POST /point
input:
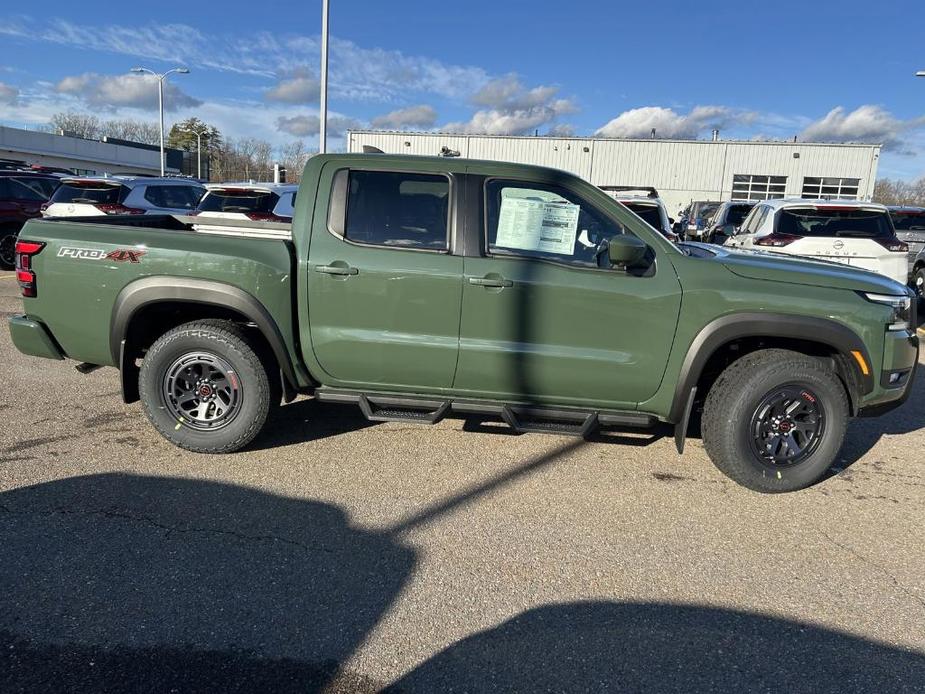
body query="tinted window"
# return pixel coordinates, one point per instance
(909, 221)
(179, 197)
(736, 213)
(649, 213)
(89, 193)
(238, 200)
(846, 223)
(547, 222)
(404, 210)
(34, 188)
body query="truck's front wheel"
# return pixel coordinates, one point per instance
(775, 420)
(204, 387)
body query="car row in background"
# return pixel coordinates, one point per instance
(95, 196)
(692, 224)
(22, 194)
(646, 203)
(909, 223)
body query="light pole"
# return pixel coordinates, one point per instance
(160, 97)
(323, 119)
(198, 134)
(920, 73)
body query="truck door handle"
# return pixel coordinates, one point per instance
(491, 281)
(336, 269)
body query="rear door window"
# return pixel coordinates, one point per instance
(33, 188)
(402, 210)
(239, 200)
(175, 197)
(835, 222)
(89, 192)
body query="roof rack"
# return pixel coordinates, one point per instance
(650, 190)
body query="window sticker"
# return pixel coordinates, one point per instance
(536, 225)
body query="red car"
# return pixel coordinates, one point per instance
(22, 194)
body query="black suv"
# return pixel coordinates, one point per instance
(22, 194)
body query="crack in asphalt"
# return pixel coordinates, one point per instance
(168, 529)
(864, 560)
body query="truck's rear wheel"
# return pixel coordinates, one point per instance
(775, 420)
(205, 388)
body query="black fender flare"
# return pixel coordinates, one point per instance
(161, 289)
(734, 326)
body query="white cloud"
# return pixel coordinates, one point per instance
(8, 93)
(373, 74)
(130, 90)
(512, 109)
(299, 88)
(414, 117)
(639, 122)
(868, 123)
(308, 125)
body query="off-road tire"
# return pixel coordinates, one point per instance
(734, 400)
(229, 342)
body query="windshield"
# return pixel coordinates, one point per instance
(909, 221)
(843, 222)
(649, 213)
(89, 192)
(227, 200)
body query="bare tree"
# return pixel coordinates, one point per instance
(895, 192)
(75, 124)
(293, 156)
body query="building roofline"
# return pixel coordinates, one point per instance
(573, 138)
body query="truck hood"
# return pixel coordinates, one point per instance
(778, 267)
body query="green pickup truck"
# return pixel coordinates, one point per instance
(418, 288)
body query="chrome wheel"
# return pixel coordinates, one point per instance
(202, 391)
(787, 426)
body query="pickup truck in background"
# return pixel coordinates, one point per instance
(417, 288)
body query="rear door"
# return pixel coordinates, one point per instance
(384, 289)
(543, 321)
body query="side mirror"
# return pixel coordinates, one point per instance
(625, 250)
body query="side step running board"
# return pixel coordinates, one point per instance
(378, 407)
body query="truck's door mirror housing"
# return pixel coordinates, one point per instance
(625, 250)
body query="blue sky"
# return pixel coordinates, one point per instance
(829, 71)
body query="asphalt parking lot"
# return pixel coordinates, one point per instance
(336, 554)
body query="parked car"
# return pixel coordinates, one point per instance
(909, 223)
(22, 194)
(265, 202)
(396, 295)
(849, 232)
(692, 222)
(917, 280)
(725, 220)
(121, 195)
(649, 206)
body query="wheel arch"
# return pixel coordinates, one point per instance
(183, 296)
(803, 333)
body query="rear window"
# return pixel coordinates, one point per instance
(737, 214)
(649, 213)
(845, 222)
(89, 192)
(34, 188)
(228, 200)
(908, 221)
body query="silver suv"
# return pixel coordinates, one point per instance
(93, 196)
(909, 223)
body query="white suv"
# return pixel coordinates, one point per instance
(260, 202)
(649, 207)
(850, 232)
(94, 196)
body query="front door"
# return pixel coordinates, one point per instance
(383, 289)
(544, 320)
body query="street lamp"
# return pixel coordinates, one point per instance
(920, 73)
(198, 134)
(323, 116)
(160, 97)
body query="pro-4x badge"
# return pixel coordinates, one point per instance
(119, 255)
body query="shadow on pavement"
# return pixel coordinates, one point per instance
(308, 420)
(653, 647)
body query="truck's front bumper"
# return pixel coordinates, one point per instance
(32, 338)
(896, 379)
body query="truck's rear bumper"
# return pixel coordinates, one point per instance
(32, 338)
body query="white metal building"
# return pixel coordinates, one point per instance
(681, 170)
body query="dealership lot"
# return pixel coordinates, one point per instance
(434, 557)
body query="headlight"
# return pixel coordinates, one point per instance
(901, 318)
